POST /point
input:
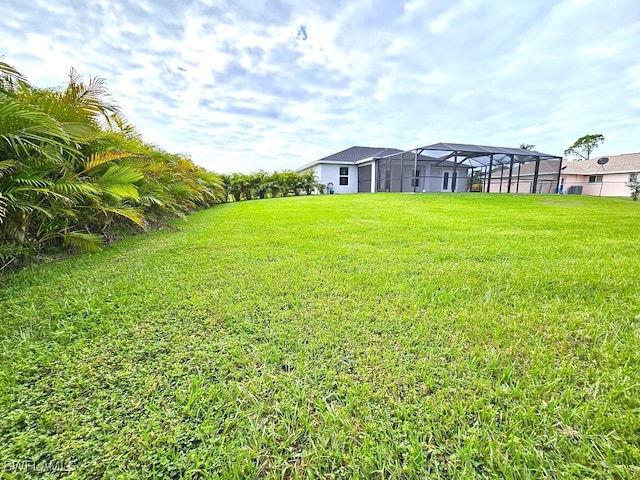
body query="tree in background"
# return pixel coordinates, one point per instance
(584, 146)
(634, 187)
(527, 146)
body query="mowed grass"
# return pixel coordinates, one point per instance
(363, 336)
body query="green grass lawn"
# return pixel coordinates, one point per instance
(363, 336)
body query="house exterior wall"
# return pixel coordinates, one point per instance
(330, 173)
(612, 185)
(392, 177)
(424, 171)
(546, 184)
(374, 178)
(525, 185)
(437, 177)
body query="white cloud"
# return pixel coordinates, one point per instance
(229, 82)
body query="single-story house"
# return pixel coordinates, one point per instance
(370, 169)
(606, 176)
(441, 167)
(342, 169)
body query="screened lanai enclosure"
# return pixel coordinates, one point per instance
(454, 167)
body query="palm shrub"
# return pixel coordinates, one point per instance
(290, 182)
(309, 183)
(240, 186)
(73, 171)
(247, 185)
(260, 183)
(275, 184)
(235, 186)
(37, 150)
(225, 182)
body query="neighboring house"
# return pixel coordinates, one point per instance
(600, 177)
(441, 167)
(369, 169)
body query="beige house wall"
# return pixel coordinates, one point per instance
(613, 184)
(546, 184)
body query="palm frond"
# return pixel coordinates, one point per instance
(44, 192)
(119, 124)
(118, 182)
(97, 159)
(121, 191)
(26, 130)
(118, 174)
(71, 186)
(92, 98)
(151, 199)
(19, 203)
(7, 166)
(10, 78)
(32, 179)
(3, 207)
(80, 132)
(9, 251)
(181, 190)
(88, 242)
(127, 212)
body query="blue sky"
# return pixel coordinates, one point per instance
(231, 83)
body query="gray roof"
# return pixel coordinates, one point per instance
(627, 162)
(471, 151)
(354, 154)
(443, 153)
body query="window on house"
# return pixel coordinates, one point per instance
(445, 181)
(595, 179)
(415, 182)
(633, 177)
(344, 175)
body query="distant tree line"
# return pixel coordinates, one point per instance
(258, 185)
